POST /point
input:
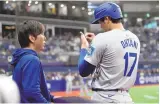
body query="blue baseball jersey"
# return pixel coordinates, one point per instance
(115, 54)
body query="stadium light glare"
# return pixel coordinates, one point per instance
(13, 0)
(73, 7)
(30, 1)
(29, 4)
(49, 4)
(125, 15)
(90, 13)
(89, 10)
(147, 15)
(36, 2)
(83, 8)
(7, 2)
(62, 5)
(139, 19)
(125, 19)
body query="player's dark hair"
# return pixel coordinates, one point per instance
(119, 20)
(27, 28)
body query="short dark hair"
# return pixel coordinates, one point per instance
(29, 27)
(119, 20)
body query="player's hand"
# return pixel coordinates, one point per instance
(84, 42)
(89, 37)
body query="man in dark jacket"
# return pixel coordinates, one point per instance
(27, 68)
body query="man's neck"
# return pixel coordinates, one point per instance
(30, 47)
(118, 26)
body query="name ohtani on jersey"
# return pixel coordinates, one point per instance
(129, 43)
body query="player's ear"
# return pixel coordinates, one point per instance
(106, 20)
(32, 38)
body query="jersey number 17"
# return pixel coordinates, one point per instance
(126, 58)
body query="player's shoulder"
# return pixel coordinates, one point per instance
(134, 35)
(102, 35)
(109, 33)
(107, 36)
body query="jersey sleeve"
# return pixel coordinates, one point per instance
(95, 51)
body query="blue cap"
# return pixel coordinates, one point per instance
(107, 9)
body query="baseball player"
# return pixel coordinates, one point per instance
(111, 57)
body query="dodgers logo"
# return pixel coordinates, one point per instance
(90, 51)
